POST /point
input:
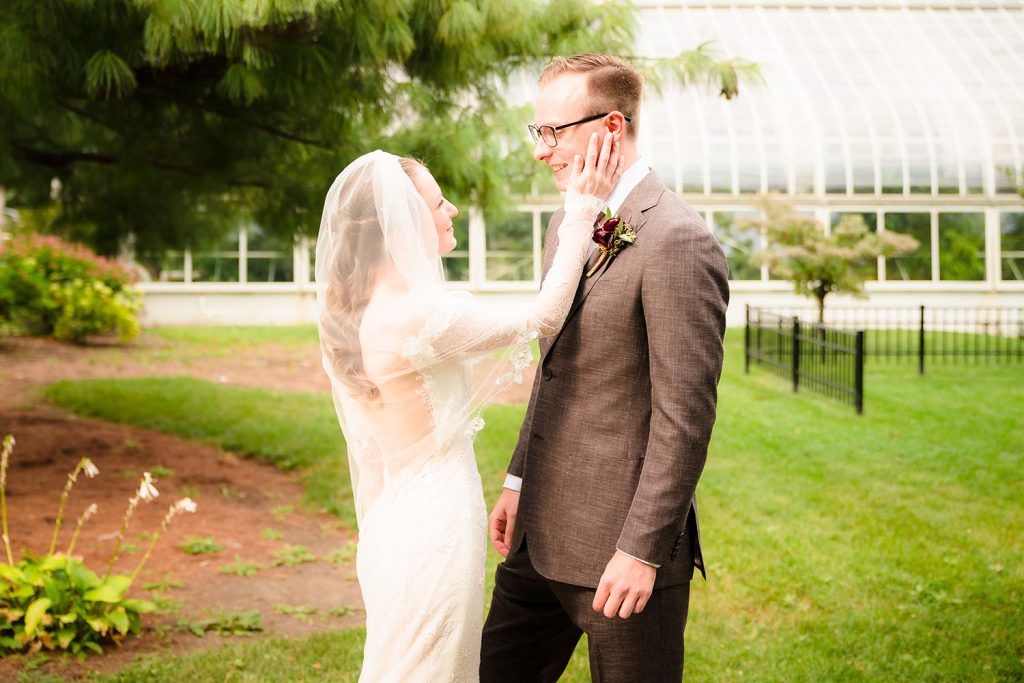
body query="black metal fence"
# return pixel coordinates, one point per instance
(943, 334)
(818, 357)
(829, 357)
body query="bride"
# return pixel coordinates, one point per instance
(404, 355)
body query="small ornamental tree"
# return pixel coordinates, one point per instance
(819, 263)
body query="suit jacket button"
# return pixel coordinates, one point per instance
(548, 374)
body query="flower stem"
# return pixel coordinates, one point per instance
(8, 448)
(120, 534)
(82, 519)
(72, 478)
(152, 544)
(597, 265)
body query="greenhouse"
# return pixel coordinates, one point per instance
(909, 113)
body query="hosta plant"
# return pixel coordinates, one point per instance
(54, 601)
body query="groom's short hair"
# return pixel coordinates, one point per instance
(612, 83)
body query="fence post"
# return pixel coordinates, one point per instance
(920, 344)
(746, 343)
(858, 374)
(796, 353)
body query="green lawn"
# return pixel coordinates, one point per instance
(231, 336)
(840, 548)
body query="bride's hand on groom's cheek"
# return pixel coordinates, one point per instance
(625, 587)
(598, 173)
(503, 520)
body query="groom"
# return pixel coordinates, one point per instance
(598, 521)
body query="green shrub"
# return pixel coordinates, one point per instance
(55, 601)
(49, 287)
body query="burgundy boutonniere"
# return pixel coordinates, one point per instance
(611, 235)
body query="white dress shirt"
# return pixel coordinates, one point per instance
(628, 181)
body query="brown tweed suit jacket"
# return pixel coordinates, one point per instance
(623, 403)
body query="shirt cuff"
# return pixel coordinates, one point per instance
(649, 564)
(513, 482)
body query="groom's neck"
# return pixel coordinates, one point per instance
(629, 151)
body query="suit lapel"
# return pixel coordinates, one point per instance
(642, 199)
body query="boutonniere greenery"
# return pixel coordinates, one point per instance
(611, 235)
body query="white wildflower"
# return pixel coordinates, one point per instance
(89, 468)
(185, 505)
(147, 491)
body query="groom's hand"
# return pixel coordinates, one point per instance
(625, 587)
(503, 521)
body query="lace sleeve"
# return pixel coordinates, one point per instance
(460, 324)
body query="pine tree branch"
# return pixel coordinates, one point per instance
(61, 160)
(231, 116)
(88, 116)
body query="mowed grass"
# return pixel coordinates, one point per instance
(839, 548)
(237, 336)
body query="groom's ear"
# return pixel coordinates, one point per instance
(616, 123)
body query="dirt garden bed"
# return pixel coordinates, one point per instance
(237, 499)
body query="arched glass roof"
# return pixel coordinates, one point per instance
(889, 97)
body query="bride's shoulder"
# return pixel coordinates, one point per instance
(405, 312)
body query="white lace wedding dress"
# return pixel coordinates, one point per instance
(420, 507)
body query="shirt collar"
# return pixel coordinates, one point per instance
(628, 181)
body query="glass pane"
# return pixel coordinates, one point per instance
(217, 265)
(739, 243)
(269, 257)
(167, 267)
(920, 168)
(456, 262)
(749, 167)
(835, 168)
(693, 170)
(721, 166)
(918, 265)
(962, 246)
(892, 171)
(509, 256)
(1012, 246)
(868, 270)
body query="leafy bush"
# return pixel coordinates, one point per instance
(54, 288)
(55, 601)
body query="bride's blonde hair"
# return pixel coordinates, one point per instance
(350, 287)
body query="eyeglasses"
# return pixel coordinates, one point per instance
(547, 133)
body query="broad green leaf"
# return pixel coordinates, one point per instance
(24, 591)
(11, 573)
(139, 605)
(99, 624)
(111, 591)
(119, 619)
(68, 618)
(82, 575)
(34, 614)
(54, 589)
(52, 562)
(64, 637)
